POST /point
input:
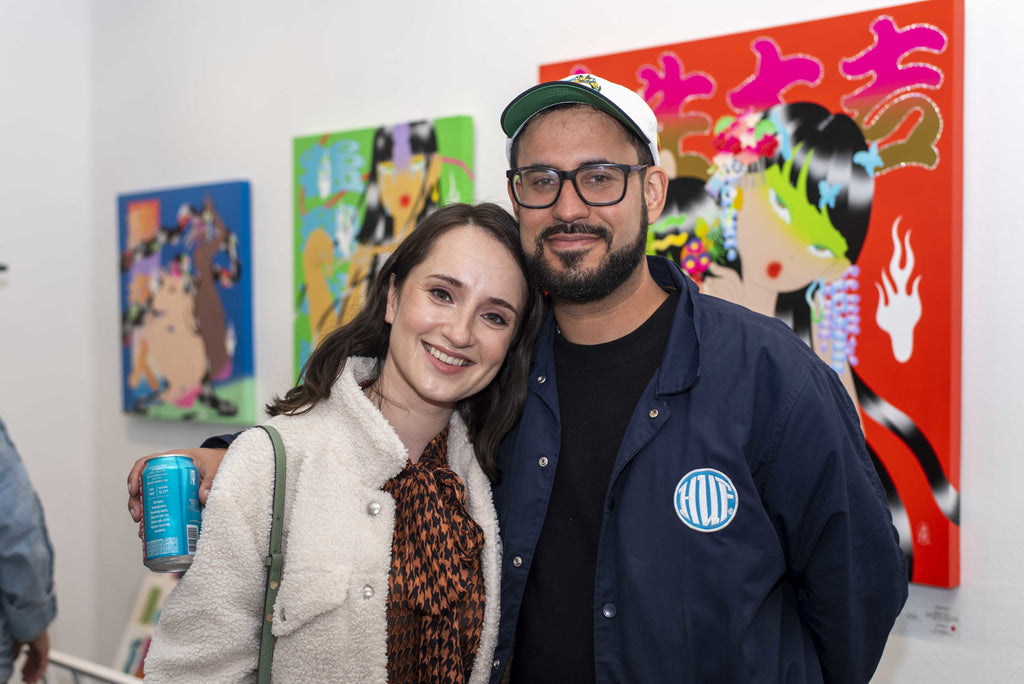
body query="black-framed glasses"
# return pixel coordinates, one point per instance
(599, 185)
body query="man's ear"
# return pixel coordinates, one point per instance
(389, 311)
(655, 191)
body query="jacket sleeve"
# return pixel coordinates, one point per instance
(209, 629)
(843, 553)
(219, 441)
(27, 600)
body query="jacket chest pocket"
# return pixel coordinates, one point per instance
(306, 594)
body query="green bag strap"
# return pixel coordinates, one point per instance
(275, 560)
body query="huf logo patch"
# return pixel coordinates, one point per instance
(705, 500)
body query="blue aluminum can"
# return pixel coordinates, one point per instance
(170, 500)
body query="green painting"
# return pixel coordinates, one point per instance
(357, 194)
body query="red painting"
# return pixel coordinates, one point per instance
(817, 177)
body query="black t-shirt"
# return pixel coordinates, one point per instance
(598, 389)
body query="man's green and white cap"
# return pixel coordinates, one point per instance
(612, 98)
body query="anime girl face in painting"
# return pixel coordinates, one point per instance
(792, 197)
(406, 170)
(779, 225)
(787, 242)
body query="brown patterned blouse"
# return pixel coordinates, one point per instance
(436, 587)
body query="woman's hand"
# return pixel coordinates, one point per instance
(206, 461)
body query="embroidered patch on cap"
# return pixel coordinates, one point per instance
(587, 79)
(706, 500)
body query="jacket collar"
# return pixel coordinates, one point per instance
(381, 454)
(372, 429)
(680, 364)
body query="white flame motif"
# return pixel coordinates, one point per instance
(899, 308)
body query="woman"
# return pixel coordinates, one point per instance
(391, 565)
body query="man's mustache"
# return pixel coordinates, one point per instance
(575, 229)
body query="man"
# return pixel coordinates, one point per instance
(27, 601)
(687, 497)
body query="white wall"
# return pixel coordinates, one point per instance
(47, 313)
(109, 96)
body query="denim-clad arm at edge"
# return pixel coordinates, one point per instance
(27, 600)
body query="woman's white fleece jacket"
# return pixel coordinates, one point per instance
(330, 615)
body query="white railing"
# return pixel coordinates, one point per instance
(68, 668)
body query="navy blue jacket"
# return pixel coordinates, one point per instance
(745, 536)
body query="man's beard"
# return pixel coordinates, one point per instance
(585, 286)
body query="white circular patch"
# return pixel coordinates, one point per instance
(706, 500)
